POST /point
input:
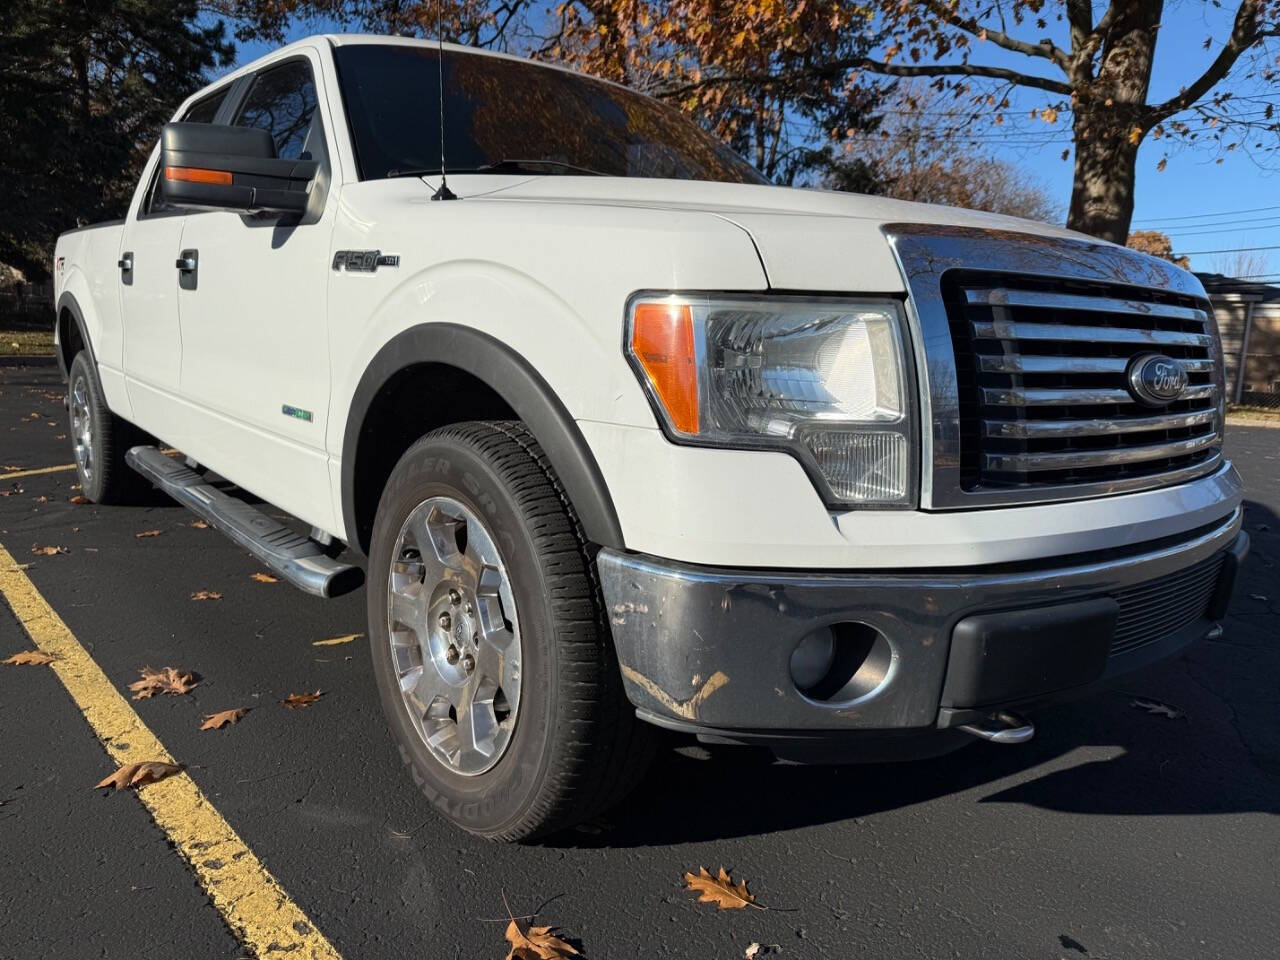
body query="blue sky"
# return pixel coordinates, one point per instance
(1188, 199)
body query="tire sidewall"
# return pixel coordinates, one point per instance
(82, 368)
(492, 802)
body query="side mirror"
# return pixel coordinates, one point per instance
(235, 168)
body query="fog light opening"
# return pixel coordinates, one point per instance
(840, 663)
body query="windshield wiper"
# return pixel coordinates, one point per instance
(498, 166)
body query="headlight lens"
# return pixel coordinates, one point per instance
(826, 379)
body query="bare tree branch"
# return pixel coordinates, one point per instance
(1045, 49)
(838, 68)
(1244, 34)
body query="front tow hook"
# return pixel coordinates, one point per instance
(1002, 727)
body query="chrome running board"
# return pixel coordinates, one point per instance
(298, 559)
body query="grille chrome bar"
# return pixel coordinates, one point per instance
(1011, 330)
(1053, 397)
(1035, 429)
(1031, 462)
(1014, 363)
(1000, 297)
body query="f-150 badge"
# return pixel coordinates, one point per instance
(364, 261)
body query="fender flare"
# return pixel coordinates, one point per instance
(520, 386)
(69, 303)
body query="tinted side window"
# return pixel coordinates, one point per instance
(203, 111)
(282, 101)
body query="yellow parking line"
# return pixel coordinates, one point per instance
(244, 892)
(35, 473)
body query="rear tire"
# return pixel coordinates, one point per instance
(100, 439)
(565, 742)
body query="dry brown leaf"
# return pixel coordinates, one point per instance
(335, 641)
(216, 721)
(79, 501)
(31, 658)
(147, 533)
(199, 524)
(170, 680)
(139, 774)
(536, 943)
(295, 700)
(720, 890)
(265, 578)
(206, 595)
(1157, 708)
(49, 551)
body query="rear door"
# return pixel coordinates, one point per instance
(150, 245)
(255, 358)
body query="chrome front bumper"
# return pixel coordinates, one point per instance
(708, 650)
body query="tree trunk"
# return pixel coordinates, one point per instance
(1102, 191)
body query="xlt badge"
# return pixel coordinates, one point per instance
(364, 261)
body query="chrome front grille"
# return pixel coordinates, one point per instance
(1042, 384)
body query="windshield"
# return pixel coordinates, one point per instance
(510, 116)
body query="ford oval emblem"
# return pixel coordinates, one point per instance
(1156, 380)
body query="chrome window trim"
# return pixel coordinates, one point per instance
(925, 253)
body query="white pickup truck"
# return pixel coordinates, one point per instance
(623, 437)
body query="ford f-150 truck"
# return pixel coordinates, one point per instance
(619, 436)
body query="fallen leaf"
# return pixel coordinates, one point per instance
(265, 578)
(1156, 707)
(49, 551)
(147, 533)
(335, 641)
(13, 491)
(199, 524)
(138, 774)
(31, 658)
(536, 943)
(206, 595)
(720, 890)
(1257, 596)
(760, 950)
(42, 499)
(170, 680)
(216, 721)
(79, 501)
(295, 700)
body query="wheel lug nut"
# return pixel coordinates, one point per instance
(468, 663)
(445, 621)
(451, 654)
(469, 609)
(454, 597)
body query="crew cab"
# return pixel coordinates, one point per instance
(617, 436)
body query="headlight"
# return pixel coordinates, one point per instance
(824, 379)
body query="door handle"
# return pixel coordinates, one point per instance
(125, 263)
(187, 262)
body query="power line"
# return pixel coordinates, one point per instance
(1201, 216)
(1213, 223)
(1232, 229)
(1203, 253)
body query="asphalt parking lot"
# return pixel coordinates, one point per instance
(1117, 833)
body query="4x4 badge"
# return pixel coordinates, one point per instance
(364, 261)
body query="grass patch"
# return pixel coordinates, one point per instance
(26, 335)
(1261, 416)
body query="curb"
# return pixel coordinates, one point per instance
(38, 360)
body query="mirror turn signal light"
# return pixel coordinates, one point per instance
(662, 342)
(220, 178)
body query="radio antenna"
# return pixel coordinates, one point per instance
(444, 193)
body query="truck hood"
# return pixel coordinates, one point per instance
(813, 240)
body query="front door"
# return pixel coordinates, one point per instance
(255, 357)
(149, 280)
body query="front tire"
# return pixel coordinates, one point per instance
(492, 655)
(99, 439)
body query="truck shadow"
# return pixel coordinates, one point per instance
(1108, 755)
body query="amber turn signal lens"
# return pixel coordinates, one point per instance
(221, 178)
(662, 340)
